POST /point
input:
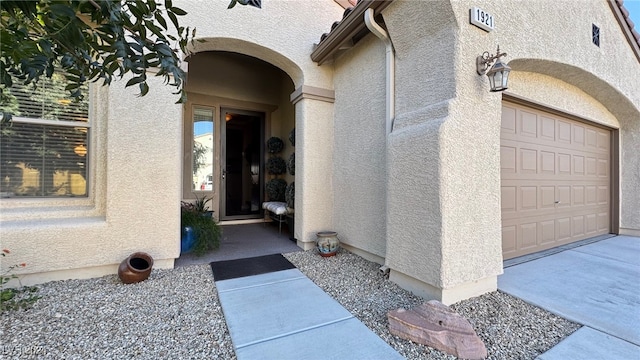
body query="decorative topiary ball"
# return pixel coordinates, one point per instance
(290, 195)
(291, 164)
(276, 189)
(292, 137)
(275, 145)
(276, 165)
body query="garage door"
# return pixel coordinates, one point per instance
(555, 180)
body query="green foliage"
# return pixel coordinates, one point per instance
(291, 164)
(290, 195)
(199, 156)
(207, 232)
(13, 299)
(292, 137)
(256, 3)
(200, 205)
(91, 40)
(276, 165)
(276, 189)
(275, 145)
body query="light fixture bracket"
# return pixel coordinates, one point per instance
(484, 61)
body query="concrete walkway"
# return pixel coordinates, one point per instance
(284, 315)
(596, 285)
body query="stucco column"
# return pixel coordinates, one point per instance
(443, 224)
(314, 163)
(443, 193)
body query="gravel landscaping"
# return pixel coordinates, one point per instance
(509, 327)
(176, 314)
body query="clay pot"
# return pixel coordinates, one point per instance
(135, 268)
(327, 243)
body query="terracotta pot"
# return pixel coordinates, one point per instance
(327, 243)
(135, 268)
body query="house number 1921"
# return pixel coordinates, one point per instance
(481, 19)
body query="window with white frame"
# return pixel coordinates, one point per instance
(203, 149)
(44, 150)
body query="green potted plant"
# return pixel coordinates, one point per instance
(291, 164)
(197, 222)
(276, 165)
(276, 189)
(201, 207)
(275, 145)
(290, 197)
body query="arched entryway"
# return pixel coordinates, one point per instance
(235, 103)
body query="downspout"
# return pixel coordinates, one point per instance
(381, 33)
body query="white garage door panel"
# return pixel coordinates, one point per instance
(555, 185)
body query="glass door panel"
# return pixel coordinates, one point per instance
(242, 164)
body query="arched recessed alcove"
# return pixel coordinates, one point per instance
(243, 100)
(251, 49)
(617, 103)
(625, 143)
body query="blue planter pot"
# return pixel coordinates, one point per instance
(188, 239)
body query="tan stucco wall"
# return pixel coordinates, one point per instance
(558, 94)
(443, 229)
(134, 198)
(560, 46)
(314, 163)
(359, 163)
(442, 212)
(444, 202)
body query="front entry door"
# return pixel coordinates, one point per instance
(242, 180)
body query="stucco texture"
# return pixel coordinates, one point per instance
(601, 83)
(359, 163)
(314, 164)
(134, 194)
(444, 183)
(443, 219)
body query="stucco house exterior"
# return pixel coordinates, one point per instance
(400, 146)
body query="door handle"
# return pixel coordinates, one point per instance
(224, 174)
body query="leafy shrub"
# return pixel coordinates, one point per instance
(13, 299)
(290, 195)
(201, 204)
(276, 165)
(292, 137)
(276, 189)
(205, 229)
(275, 145)
(291, 164)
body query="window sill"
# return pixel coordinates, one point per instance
(18, 209)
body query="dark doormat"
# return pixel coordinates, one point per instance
(231, 269)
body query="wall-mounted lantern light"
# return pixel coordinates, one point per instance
(498, 74)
